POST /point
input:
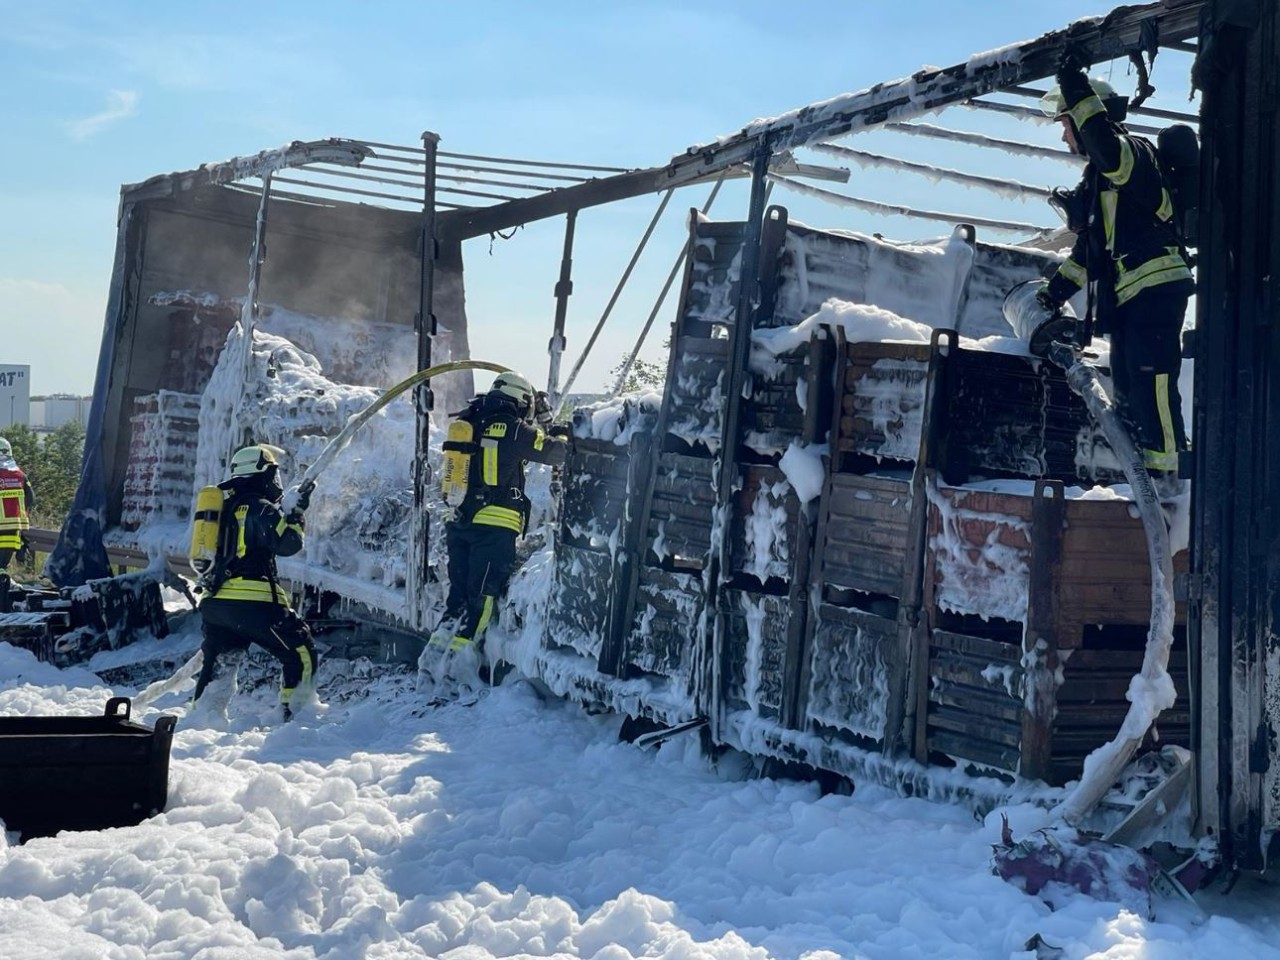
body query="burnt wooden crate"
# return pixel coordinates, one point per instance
(755, 651)
(594, 492)
(678, 528)
(694, 400)
(764, 525)
(771, 415)
(1091, 702)
(36, 631)
(975, 704)
(665, 622)
(1011, 416)
(578, 615)
(82, 773)
(863, 533)
(855, 661)
(1015, 584)
(710, 296)
(881, 388)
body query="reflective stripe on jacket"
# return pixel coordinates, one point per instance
(1130, 213)
(261, 533)
(14, 491)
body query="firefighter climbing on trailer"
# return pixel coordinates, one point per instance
(482, 481)
(1129, 254)
(239, 531)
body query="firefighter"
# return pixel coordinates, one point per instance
(1128, 252)
(16, 503)
(246, 602)
(511, 426)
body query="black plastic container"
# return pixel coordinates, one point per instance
(82, 773)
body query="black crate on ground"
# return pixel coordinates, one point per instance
(82, 773)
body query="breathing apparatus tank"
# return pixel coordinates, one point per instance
(459, 446)
(206, 522)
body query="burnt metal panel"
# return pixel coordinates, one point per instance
(1235, 582)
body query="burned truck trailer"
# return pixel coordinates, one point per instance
(896, 561)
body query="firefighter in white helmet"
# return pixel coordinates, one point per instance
(511, 425)
(247, 604)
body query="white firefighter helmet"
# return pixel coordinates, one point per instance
(255, 459)
(6, 449)
(1054, 104)
(511, 384)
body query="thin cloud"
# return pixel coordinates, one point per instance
(120, 104)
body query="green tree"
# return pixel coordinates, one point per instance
(643, 374)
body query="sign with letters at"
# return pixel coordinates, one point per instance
(15, 394)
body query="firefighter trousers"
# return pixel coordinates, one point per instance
(481, 561)
(1146, 358)
(234, 624)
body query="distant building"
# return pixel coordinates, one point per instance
(15, 394)
(54, 411)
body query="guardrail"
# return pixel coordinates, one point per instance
(118, 556)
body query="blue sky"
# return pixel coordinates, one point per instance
(96, 95)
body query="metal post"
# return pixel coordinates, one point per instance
(250, 311)
(419, 567)
(564, 289)
(626, 274)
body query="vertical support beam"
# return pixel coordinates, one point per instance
(1234, 595)
(1040, 638)
(908, 715)
(641, 457)
(419, 567)
(564, 289)
(708, 673)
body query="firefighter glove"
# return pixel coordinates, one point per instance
(304, 495)
(1048, 301)
(1072, 81)
(542, 409)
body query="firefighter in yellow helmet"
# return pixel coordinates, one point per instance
(511, 427)
(16, 501)
(247, 604)
(1129, 254)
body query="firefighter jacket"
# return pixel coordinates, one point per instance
(506, 442)
(1126, 241)
(257, 533)
(16, 502)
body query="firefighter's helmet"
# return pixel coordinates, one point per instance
(1054, 104)
(511, 384)
(256, 459)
